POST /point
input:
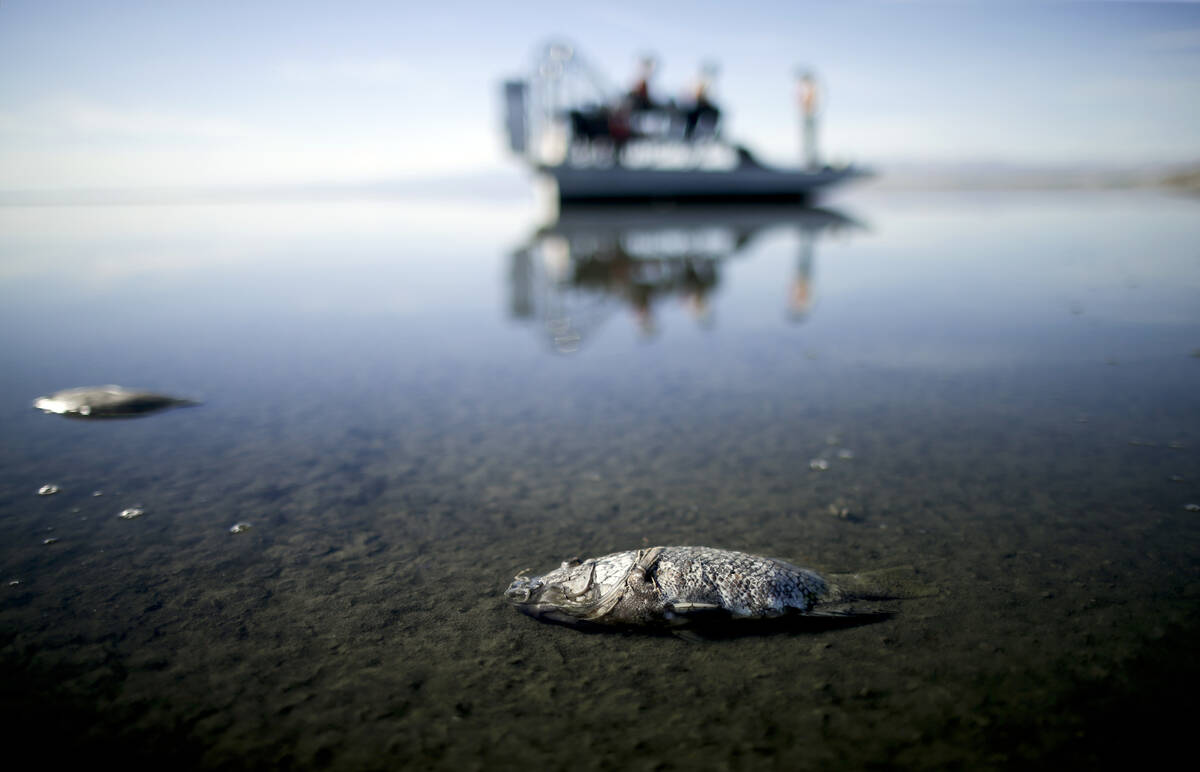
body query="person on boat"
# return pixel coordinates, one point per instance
(620, 130)
(808, 95)
(703, 113)
(639, 95)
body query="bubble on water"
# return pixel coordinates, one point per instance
(131, 513)
(818, 465)
(49, 540)
(1192, 507)
(845, 454)
(97, 493)
(47, 490)
(240, 527)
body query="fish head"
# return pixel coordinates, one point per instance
(52, 405)
(69, 407)
(80, 402)
(564, 595)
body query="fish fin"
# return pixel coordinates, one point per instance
(684, 607)
(700, 629)
(845, 610)
(691, 636)
(838, 618)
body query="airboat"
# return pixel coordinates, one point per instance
(596, 144)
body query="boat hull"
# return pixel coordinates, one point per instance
(580, 184)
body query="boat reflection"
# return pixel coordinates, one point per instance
(582, 268)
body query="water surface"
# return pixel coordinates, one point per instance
(410, 401)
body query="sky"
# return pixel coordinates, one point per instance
(128, 94)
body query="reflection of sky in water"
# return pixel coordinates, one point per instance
(929, 281)
(338, 256)
(987, 281)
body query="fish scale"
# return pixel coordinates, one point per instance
(746, 585)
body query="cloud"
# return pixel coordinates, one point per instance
(94, 118)
(367, 71)
(71, 116)
(71, 142)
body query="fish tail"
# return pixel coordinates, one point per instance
(896, 583)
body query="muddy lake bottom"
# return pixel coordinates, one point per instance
(1004, 389)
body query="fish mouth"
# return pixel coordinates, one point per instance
(546, 602)
(522, 590)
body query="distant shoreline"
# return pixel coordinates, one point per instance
(514, 185)
(909, 177)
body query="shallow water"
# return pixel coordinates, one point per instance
(410, 401)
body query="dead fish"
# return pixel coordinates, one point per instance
(672, 587)
(107, 402)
